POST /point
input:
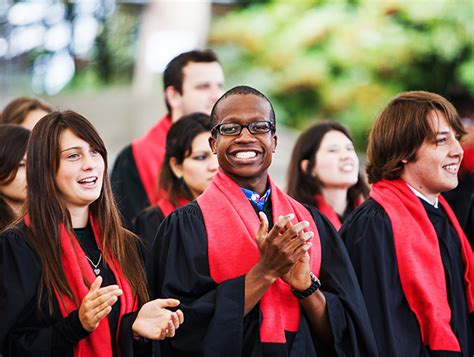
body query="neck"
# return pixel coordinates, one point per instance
(175, 115)
(431, 196)
(337, 199)
(79, 216)
(14, 205)
(255, 184)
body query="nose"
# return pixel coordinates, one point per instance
(88, 162)
(245, 136)
(456, 148)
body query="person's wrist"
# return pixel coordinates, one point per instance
(314, 286)
(303, 287)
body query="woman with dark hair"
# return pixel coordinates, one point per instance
(324, 172)
(188, 169)
(72, 280)
(24, 111)
(13, 141)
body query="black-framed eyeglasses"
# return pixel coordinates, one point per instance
(234, 129)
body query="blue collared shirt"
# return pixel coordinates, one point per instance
(255, 197)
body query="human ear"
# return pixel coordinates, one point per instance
(212, 144)
(176, 168)
(173, 97)
(304, 165)
(274, 142)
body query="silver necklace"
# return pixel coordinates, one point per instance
(96, 270)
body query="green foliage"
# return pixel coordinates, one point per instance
(344, 59)
(113, 56)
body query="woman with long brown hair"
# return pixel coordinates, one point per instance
(188, 169)
(72, 280)
(13, 141)
(324, 172)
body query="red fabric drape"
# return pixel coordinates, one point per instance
(419, 261)
(77, 268)
(231, 226)
(149, 152)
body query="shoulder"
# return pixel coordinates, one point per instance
(14, 248)
(125, 157)
(187, 219)
(368, 222)
(322, 223)
(189, 211)
(150, 214)
(15, 236)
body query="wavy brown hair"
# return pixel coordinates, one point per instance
(302, 184)
(400, 130)
(47, 210)
(16, 111)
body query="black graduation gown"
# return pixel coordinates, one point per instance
(25, 329)
(127, 187)
(214, 322)
(369, 239)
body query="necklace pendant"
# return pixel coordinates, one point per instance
(96, 271)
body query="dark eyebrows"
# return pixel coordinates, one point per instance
(72, 148)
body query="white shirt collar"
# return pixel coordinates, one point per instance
(423, 197)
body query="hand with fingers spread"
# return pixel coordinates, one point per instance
(156, 322)
(97, 304)
(298, 277)
(282, 247)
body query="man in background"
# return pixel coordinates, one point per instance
(192, 82)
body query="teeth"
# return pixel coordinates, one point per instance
(451, 168)
(88, 180)
(245, 154)
(347, 167)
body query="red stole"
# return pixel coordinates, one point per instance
(467, 164)
(149, 153)
(419, 262)
(231, 226)
(329, 212)
(77, 268)
(166, 207)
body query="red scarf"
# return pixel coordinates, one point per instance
(77, 269)
(419, 262)
(467, 164)
(167, 207)
(329, 212)
(149, 153)
(233, 251)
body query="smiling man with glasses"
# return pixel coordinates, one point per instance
(258, 274)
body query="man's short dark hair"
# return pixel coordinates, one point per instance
(173, 74)
(241, 90)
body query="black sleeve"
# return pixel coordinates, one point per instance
(129, 346)
(368, 237)
(25, 330)
(127, 187)
(213, 313)
(348, 316)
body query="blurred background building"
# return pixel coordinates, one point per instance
(316, 59)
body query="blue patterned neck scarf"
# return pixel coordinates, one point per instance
(255, 197)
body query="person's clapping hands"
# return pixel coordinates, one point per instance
(155, 322)
(283, 247)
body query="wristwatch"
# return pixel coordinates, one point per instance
(315, 285)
